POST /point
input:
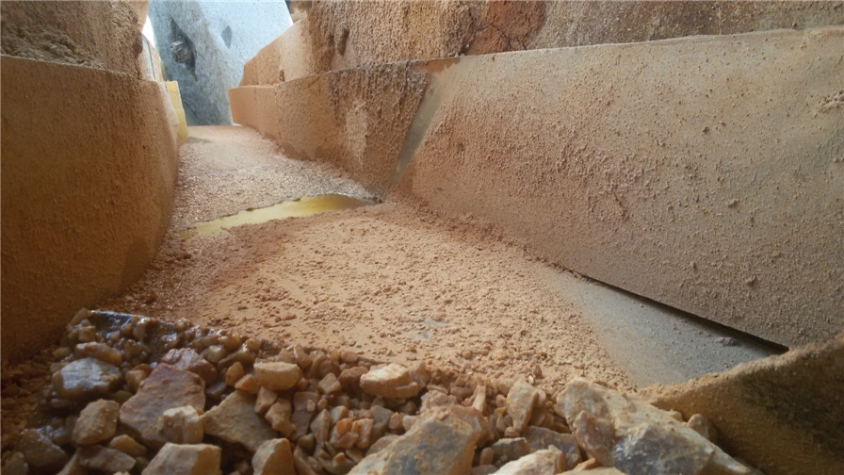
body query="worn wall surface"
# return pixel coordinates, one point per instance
(356, 119)
(782, 414)
(88, 168)
(704, 173)
(341, 34)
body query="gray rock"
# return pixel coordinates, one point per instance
(273, 457)
(86, 379)
(439, 443)
(196, 459)
(540, 438)
(104, 459)
(96, 423)
(40, 452)
(507, 450)
(654, 449)
(167, 387)
(189, 360)
(234, 420)
(604, 420)
(520, 402)
(205, 44)
(543, 462)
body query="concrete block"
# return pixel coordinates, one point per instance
(704, 173)
(205, 44)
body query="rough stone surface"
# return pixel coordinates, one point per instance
(509, 449)
(277, 376)
(273, 457)
(390, 381)
(234, 420)
(181, 425)
(166, 388)
(541, 438)
(439, 444)
(631, 434)
(96, 423)
(96, 457)
(197, 459)
(40, 452)
(189, 360)
(520, 401)
(204, 45)
(127, 445)
(86, 378)
(542, 462)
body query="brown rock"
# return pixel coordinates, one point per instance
(507, 450)
(103, 459)
(127, 445)
(329, 384)
(16, 465)
(234, 373)
(607, 420)
(266, 398)
(85, 379)
(96, 423)
(520, 402)
(321, 427)
(40, 452)
(279, 416)
(197, 459)
(391, 381)
(167, 387)
(476, 420)
(702, 426)
(73, 467)
(382, 443)
(278, 375)
(543, 462)
(659, 450)
(234, 420)
(350, 377)
(181, 425)
(540, 438)
(440, 443)
(273, 457)
(100, 351)
(189, 360)
(248, 384)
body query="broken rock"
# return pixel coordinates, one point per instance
(277, 375)
(103, 459)
(234, 420)
(181, 425)
(167, 387)
(540, 438)
(273, 457)
(96, 423)
(543, 462)
(189, 360)
(86, 379)
(520, 402)
(40, 452)
(391, 381)
(440, 443)
(196, 459)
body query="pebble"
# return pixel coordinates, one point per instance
(234, 373)
(181, 425)
(40, 452)
(86, 379)
(541, 438)
(167, 387)
(520, 403)
(100, 458)
(265, 399)
(127, 445)
(390, 381)
(96, 423)
(189, 360)
(548, 461)
(273, 457)
(507, 450)
(277, 375)
(279, 416)
(196, 459)
(234, 420)
(16, 465)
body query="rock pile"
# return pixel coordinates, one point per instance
(133, 395)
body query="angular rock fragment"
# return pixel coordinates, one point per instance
(702, 426)
(96, 423)
(658, 450)
(391, 381)
(234, 420)
(539, 438)
(86, 379)
(439, 443)
(329, 384)
(543, 462)
(601, 418)
(181, 425)
(167, 387)
(350, 378)
(189, 360)
(40, 452)
(277, 375)
(196, 459)
(266, 398)
(520, 402)
(273, 457)
(96, 457)
(279, 416)
(476, 420)
(507, 450)
(16, 465)
(127, 445)
(100, 351)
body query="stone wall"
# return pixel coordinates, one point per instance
(88, 169)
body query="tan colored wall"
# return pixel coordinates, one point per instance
(356, 119)
(344, 34)
(704, 173)
(88, 174)
(782, 414)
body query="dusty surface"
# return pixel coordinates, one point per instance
(224, 170)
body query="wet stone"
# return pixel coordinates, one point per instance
(40, 452)
(278, 375)
(195, 459)
(104, 459)
(181, 425)
(273, 457)
(96, 423)
(234, 420)
(391, 381)
(520, 403)
(507, 450)
(542, 462)
(189, 360)
(86, 379)
(540, 438)
(167, 387)
(440, 443)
